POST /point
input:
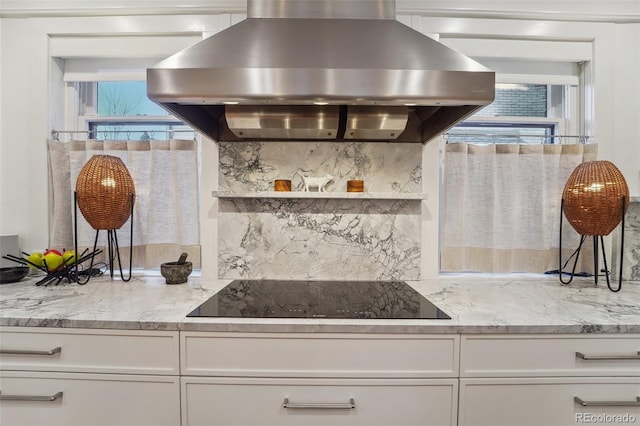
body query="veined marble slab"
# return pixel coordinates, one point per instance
(631, 254)
(330, 235)
(319, 239)
(384, 167)
(512, 304)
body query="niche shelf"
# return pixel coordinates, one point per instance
(323, 195)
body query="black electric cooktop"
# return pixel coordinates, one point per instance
(318, 299)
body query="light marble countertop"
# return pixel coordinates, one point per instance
(513, 304)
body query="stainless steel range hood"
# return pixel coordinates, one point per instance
(320, 70)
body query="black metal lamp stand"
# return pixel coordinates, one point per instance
(113, 248)
(595, 253)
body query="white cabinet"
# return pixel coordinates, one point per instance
(90, 377)
(550, 355)
(318, 379)
(89, 350)
(318, 355)
(57, 377)
(82, 399)
(547, 401)
(345, 402)
(549, 379)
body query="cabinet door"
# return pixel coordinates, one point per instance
(318, 402)
(77, 399)
(550, 355)
(89, 351)
(318, 355)
(548, 401)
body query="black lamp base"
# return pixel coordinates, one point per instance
(596, 249)
(113, 248)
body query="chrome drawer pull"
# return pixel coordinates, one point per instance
(635, 403)
(57, 395)
(28, 352)
(588, 357)
(322, 405)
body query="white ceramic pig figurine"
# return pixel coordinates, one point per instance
(315, 182)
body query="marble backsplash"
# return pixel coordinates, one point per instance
(384, 167)
(302, 238)
(631, 260)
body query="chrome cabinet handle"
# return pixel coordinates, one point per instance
(635, 403)
(57, 395)
(29, 352)
(322, 405)
(607, 357)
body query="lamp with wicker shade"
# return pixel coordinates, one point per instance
(105, 195)
(594, 201)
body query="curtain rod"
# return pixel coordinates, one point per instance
(582, 139)
(55, 134)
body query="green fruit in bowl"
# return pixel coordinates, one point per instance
(53, 260)
(35, 258)
(69, 257)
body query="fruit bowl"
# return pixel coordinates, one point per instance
(13, 274)
(56, 265)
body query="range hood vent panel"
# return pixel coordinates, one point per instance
(293, 60)
(376, 123)
(290, 122)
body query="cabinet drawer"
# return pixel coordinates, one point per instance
(548, 401)
(319, 355)
(89, 399)
(544, 355)
(85, 350)
(245, 401)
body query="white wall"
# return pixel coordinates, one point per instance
(23, 108)
(27, 26)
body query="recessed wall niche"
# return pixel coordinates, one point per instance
(319, 238)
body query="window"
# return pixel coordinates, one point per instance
(122, 98)
(99, 103)
(503, 176)
(115, 117)
(502, 132)
(518, 100)
(521, 113)
(121, 110)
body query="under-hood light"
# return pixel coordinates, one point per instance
(230, 102)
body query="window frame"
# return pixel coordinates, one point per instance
(559, 125)
(81, 116)
(90, 122)
(81, 103)
(566, 124)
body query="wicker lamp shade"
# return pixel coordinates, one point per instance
(105, 192)
(593, 198)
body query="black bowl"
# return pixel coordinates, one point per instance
(13, 274)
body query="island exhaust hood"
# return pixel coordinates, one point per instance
(320, 70)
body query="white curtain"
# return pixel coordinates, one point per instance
(502, 207)
(166, 209)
